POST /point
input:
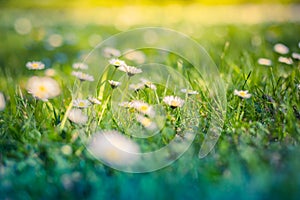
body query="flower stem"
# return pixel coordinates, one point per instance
(63, 122)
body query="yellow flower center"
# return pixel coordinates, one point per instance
(174, 103)
(113, 154)
(242, 93)
(143, 108)
(35, 65)
(41, 91)
(148, 83)
(81, 104)
(117, 63)
(146, 122)
(42, 88)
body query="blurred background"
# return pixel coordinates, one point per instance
(124, 14)
(62, 32)
(39, 20)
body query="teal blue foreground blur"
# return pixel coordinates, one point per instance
(257, 156)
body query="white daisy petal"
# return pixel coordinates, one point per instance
(77, 116)
(114, 84)
(126, 104)
(189, 92)
(148, 84)
(130, 70)
(109, 52)
(50, 72)
(83, 76)
(137, 56)
(94, 100)
(80, 65)
(136, 87)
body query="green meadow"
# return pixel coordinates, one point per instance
(43, 153)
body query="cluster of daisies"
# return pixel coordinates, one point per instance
(113, 147)
(45, 87)
(144, 112)
(78, 112)
(122, 66)
(80, 74)
(285, 56)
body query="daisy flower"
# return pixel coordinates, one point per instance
(146, 122)
(66, 149)
(81, 103)
(189, 92)
(296, 56)
(80, 65)
(83, 76)
(281, 48)
(35, 65)
(117, 63)
(50, 72)
(136, 87)
(43, 88)
(77, 116)
(109, 52)
(285, 60)
(143, 108)
(242, 93)
(114, 148)
(114, 84)
(137, 56)
(94, 100)
(264, 61)
(130, 70)
(148, 84)
(126, 104)
(173, 101)
(298, 86)
(2, 101)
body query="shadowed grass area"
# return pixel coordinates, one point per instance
(255, 158)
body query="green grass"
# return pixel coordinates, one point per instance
(257, 156)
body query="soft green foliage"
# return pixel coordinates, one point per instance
(257, 156)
